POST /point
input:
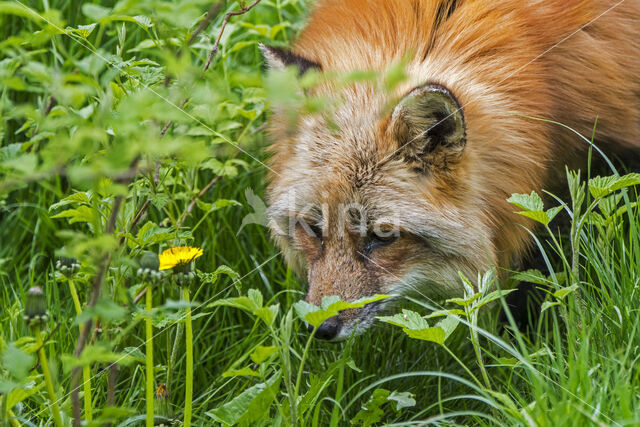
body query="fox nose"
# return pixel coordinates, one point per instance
(328, 330)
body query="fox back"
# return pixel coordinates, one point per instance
(399, 190)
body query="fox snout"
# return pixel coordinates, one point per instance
(328, 330)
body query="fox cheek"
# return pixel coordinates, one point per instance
(429, 126)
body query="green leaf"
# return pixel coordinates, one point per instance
(268, 314)
(603, 186)
(372, 411)
(563, 292)
(329, 307)
(239, 408)
(17, 362)
(106, 310)
(243, 303)
(20, 394)
(548, 304)
(532, 276)
(528, 202)
(262, 353)
(79, 198)
(80, 214)
(416, 326)
(92, 354)
(408, 319)
(538, 216)
(403, 400)
(465, 302)
(244, 372)
(492, 297)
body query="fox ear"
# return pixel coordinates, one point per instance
(279, 58)
(428, 124)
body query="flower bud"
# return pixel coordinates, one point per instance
(162, 401)
(149, 268)
(67, 266)
(35, 308)
(150, 261)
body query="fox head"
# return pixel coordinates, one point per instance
(400, 190)
(371, 200)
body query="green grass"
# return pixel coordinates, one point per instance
(580, 368)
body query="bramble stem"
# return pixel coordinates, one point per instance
(149, 358)
(188, 396)
(86, 370)
(44, 364)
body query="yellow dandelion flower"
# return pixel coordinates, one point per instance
(178, 256)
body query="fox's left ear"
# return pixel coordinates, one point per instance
(429, 125)
(279, 58)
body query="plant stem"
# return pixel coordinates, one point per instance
(335, 413)
(12, 420)
(188, 394)
(296, 389)
(174, 353)
(44, 364)
(149, 358)
(476, 345)
(86, 370)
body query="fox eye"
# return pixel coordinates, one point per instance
(316, 231)
(382, 237)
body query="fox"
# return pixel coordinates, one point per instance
(399, 191)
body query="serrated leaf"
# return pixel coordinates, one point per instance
(268, 314)
(79, 214)
(17, 362)
(408, 319)
(528, 202)
(603, 186)
(329, 307)
(234, 411)
(538, 216)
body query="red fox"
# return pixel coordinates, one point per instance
(384, 200)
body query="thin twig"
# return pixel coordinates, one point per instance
(195, 199)
(242, 11)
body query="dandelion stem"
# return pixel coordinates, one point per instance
(149, 361)
(189, 348)
(86, 370)
(44, 364)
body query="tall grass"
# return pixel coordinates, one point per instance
(255, 363)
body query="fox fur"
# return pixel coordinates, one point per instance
(501, 63)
